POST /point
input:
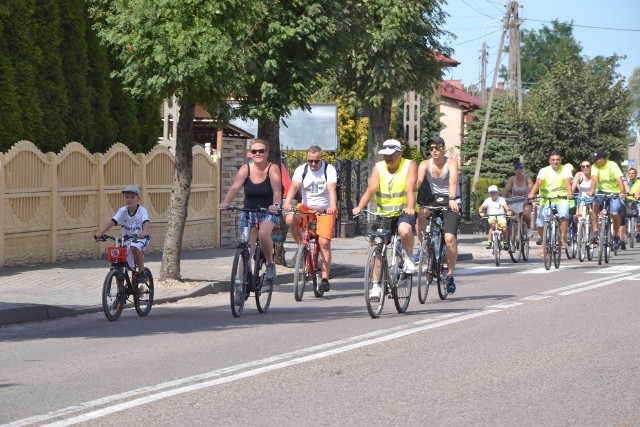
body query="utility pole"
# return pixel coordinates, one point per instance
(512, 10)
(483, 71)
(514, 73)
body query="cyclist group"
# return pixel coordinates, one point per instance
(555, 185)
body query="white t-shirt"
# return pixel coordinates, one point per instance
(131, 224)
(315, 193)
(494, 208)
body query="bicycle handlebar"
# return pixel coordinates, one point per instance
(106, 237)
(237, 208)
(377, 214)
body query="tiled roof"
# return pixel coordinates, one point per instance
(452, 89)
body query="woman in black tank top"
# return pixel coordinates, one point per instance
(262, 189)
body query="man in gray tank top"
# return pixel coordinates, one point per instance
(441, 174)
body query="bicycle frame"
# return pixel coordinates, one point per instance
(605, 226)
(307, 268)
(583, 226)
(432, 255)
(551, 234)
(496, 236)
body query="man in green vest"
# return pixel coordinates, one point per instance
(606, 179)
(392, 182)
(554, 183)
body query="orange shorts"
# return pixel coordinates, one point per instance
(324, 223)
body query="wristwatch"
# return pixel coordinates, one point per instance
(453, 198)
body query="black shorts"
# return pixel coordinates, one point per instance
(450, 220)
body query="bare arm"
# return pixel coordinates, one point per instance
(576, 181)
(241, 176)
(333, 198)
(534, 189)
(293, 188)
(276, 184)
(412, 176)
(454, 171)
(422, 172)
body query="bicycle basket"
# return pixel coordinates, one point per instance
(379, 227)
(632, 209)
(117, 254)
(516, 204)
(280, 230)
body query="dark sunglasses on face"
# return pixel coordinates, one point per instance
(313, 162)
(434, 147)
(585, 166)
(259, 150)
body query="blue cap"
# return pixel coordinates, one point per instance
(518, 165)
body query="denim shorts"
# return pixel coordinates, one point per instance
(249, 219)
(543, 212)
(614, 204)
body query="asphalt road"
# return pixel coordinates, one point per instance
(516, 345)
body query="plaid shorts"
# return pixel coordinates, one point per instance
(249, 219)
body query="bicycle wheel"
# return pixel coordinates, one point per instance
(633, 224)
(401, 289)
(557, 249)
(238, 284)
(602, 242)
(441, 272)
(570, 249)
(113, 298)
(143, 297)
(263, 287)
(301, 274)
(374, 275)
(547, 245)
(425, 273)
(582, 242)
(497, 248)
(515, 251)
(525, 244)
(317, 276)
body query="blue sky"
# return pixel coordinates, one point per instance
(473, 20)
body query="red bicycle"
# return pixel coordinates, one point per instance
(307, 269)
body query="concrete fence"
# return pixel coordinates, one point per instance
(52, 204)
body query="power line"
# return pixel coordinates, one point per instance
(588, 26)
(477, 10)
(477, 38)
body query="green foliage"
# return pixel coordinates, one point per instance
(501, 149)
(11, 124)
(580, 105)
(352, 133)
(634, 92)
(430, 124)
(542, 49)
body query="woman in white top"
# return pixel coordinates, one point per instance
(582, 182)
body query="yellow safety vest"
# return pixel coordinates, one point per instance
(553, 188)
(391, 195)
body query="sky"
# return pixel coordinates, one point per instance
(601, 27)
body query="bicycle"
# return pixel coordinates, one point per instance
(585, 246)
(392, 281)
(118, 287)
(431, 263)
(551, 234)
(307, 269)
(496, 237)
(518, 238)
(244, 280)
(605, 226)
(572, 238)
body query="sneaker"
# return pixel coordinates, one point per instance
(408, 267)
(539, 242)
(451, 285)
(616, 243)
(594, 238)
(416, 256)
(375, 292)
(505, 246)
(324, 286)
(142, 277)
(489, 244)
(271, 272)
(623, 245)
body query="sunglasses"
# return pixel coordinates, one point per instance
(258, 151)
(313, 162)
(585, 166)
(434, 147)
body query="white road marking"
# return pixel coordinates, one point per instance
(535, 297)
(614, 269)
(506, 305)
(581, 284)
(155, 393)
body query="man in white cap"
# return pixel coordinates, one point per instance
(393, 181)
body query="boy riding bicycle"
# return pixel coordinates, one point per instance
(495, 206)
(134, 221)
(317, 182)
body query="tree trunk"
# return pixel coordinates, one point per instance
(379, 124)
(270, 132)
(180, 191)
